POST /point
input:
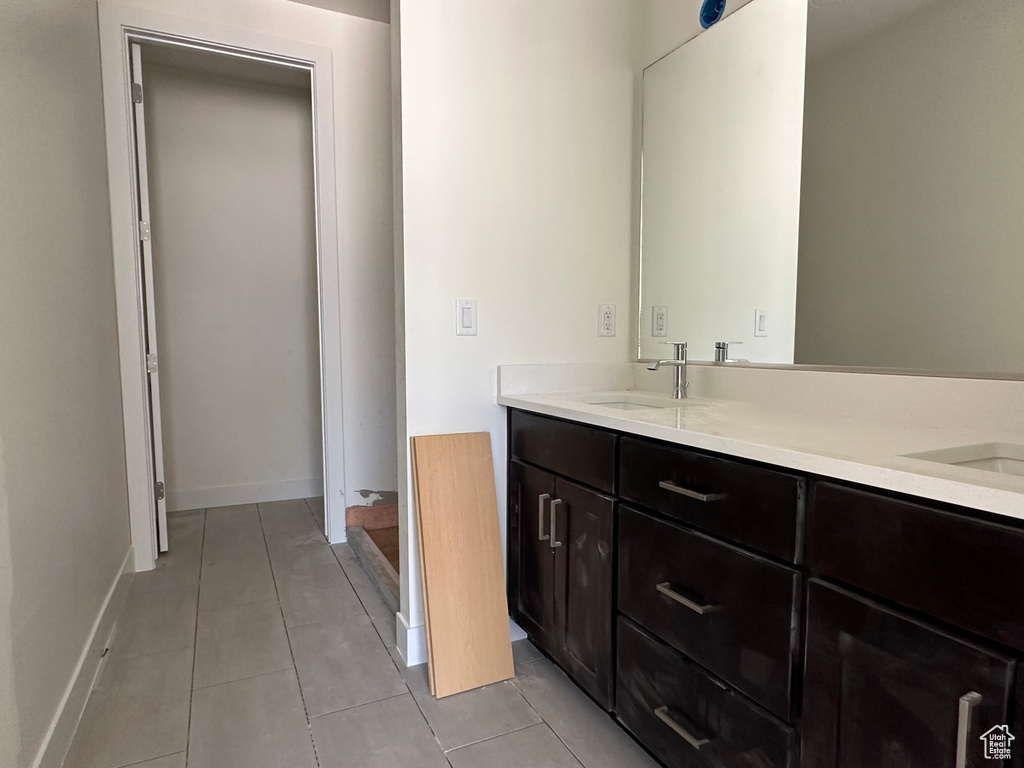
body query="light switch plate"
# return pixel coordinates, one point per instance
(606, 320)
(465, 317)
(760, 322)
(659, 321)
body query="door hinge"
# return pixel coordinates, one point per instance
(137, 93)
(159, 491)
(144, 231)
(151, 363)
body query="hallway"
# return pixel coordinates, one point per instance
(256, 644)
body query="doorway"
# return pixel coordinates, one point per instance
(225, 153)
(151, 447)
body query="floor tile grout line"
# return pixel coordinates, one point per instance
(151, 759)
(288, 637)
(238, 605)
(501, 735)
(195, 641)
(544, 719)
(363, 704)
(358, 597)
(240, 679)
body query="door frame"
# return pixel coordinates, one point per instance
(120, 25)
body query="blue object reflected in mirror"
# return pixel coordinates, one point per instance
(711, 11)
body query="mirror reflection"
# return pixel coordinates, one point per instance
(849, 191)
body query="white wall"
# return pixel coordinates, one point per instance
(516, 145)
(722, 125)
(911, 229)
(234, 240)
(362, 93)
(664, 25)
(63, 488)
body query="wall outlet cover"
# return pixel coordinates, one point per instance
(659, 321)
(606, 320)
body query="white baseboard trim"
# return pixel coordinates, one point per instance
(515, 631)
(65, 721)
(227, 495)
(411, 641)
(337, 533)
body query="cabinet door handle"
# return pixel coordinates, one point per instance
(665, 588)
(694, 741)
(541, 536)
(963, 726)
(555, 544)
(668, 485)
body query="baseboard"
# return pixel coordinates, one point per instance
(62, 728)
(227, 495)
(411, 641)
(515, 632)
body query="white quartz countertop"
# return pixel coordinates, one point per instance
(857, 450)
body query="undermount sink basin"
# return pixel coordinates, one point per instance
(626, 402)
(1004, 458)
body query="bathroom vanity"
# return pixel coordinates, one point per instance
(741, 613)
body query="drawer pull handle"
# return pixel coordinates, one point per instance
(668, 485)
(541, 536)
(666, 589)
(694, 741)
(555, 544)
(963, 726)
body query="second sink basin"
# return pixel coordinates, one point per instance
(1004, 458)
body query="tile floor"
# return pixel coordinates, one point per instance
(255, 644)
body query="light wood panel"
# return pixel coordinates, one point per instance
(462, 564)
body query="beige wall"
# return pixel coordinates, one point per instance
(234, 241)
(911, 229)
(63, 497)
(517, 135)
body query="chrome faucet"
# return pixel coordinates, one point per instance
(679, 382)
(722, 352)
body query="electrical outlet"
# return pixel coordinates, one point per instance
(659, 321)
(606, 320)
(760, 322)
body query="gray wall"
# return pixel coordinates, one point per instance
(234, 241)
(63, 498)
(912, 207)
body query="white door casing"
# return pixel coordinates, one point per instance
(120, 27)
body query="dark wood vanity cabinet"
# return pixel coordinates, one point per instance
(562, 550)
(729, 610)
(881, 689)
(733, 614)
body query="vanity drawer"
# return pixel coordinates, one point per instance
(687, 718)
(730, 611)
(959, 569)
(584, 454)
(756, 507)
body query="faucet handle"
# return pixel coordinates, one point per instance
(678, 349)
(722, 350)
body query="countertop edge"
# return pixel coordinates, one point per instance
(978, 497)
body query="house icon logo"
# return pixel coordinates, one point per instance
(997, 742)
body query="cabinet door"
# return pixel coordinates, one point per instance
(885, 691)
(582, 532)
(536, 559)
